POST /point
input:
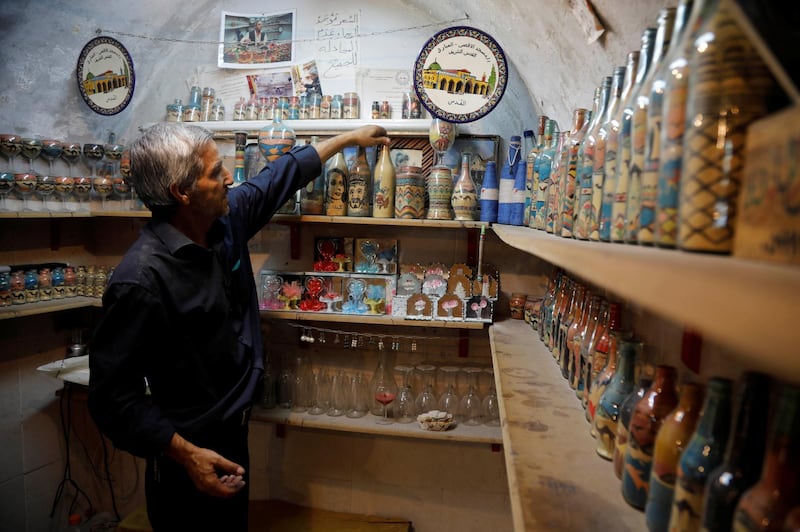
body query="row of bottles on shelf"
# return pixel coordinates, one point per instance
(659, 159)
(300, 388)
(685, 455)
(21, 285)
(385, 189)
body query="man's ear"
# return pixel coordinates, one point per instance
(178, 194)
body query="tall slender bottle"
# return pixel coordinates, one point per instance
(544, 164)
(599, 155)
(507, 175)
(621, 385)
(574, 331)
(583, 177)
(609, 140)
(744, 456)
(639, 140)
(312, 196)
(673, 128)
(549, 297)
(727, 91)
(529, 150)
(605, 349)
(517, 211)
(358, 186)
(383, 183)
(647, 417)
(531, 175)
(685, 14)
(619, 202)
(569, 169)
(594, 329)
(671, 440)
(703, 453)
(624, 420)
(336, 176)
(765, 506)
(465, 195)
(557, 164)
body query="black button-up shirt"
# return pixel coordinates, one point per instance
(184, 320)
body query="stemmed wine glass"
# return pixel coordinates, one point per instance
(31, 149)
(441, 135)
(82, 188)
(471, 402)
(51, 150)
(71, 153)
(93, 153)
(45, 186)
(64, 186)
(6, 186)
(10, 146)
(24, 184)
(103, 184)
(114, 151)
(385, 390)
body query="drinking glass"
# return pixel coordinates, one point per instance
(6, 186)
(471, 405)
(426, 400)
(441, 136)
(25, 184)
(31, 149)
(45, 187)
(10, 146)
(51, 150)
(82, 189)
(321, 386)
(449, 400)
(71, 153)
(406, 411)
(385, 391)
(339, 392)
(93, 153)
(359, 396)
(490, 407)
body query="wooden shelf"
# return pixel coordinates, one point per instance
(45, 307)
(368, 220)
(556, 480)
(749, 307)
(223, 130)
(367, 425)
(293, 315)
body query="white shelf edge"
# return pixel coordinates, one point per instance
(318, 127)
(747, 306)
(556, 480)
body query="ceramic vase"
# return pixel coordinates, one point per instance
(703, 453)
(465, 196)
(647, 417)
(409, 193)
(671, 440)
(440, 190)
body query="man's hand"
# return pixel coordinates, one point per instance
(364, 136)
(210, 472)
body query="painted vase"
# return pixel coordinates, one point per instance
(465, 196)
(336, 177)
(275, 139)
(671, 440)
(744, 456)
(621, 385)
(703, 453)
(440, 189)
(623, 421)
(358, 186)
(409, 193)
(648, 414)
(383, 186)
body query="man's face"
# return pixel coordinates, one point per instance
(210, 195)
(258, 26)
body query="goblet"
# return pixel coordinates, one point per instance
(103, 184)
(71, 152)
(471, 402)
(385, 391)
(449, 400)
(6, 186)
(10, 146)
(113, 151)
(51, 150)
(406, 412)
(25, 184)
(82, 189)
(93, 153)
(64, 186)
(31, 149)
(426, 401)
(45, 187)
(441, 136)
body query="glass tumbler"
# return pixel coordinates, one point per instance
(471, 405)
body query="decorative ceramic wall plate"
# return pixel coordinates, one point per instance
(105, 75)
(460, 74)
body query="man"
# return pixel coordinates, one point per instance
(256, 35)
(177, 355)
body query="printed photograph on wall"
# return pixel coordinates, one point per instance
(306, 78)
(268, 84)
(256, 40)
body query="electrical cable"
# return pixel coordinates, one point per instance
(108, 477)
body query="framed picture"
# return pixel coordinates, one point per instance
(412, 151)
(105, 75)
(256, 41)
(482, 149)
(267, 84)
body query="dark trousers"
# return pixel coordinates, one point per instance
(173, 502)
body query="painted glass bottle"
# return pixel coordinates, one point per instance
(598, 159)
(583, 177)
(557, 177)
(767, 503)
(609, 141)
(608, 407)
(567, 184)
(619, 201)
(544, 165)
(603, 362)
(336, 176)
(517, 209)
(624, 420)
(744, 456)
(703, 453)
(641, 104)
(528, 147)
(594, 329)
(581, 315)
(571, 317)
(507, 175)
(647, 417)
(531, 175)
(671, 440)
(465, 195)
(547, 303)
(312, 196)
(727, 91)
(276, 138)
(383, 183)
(673, 129)
(358, 185)
(489, 193)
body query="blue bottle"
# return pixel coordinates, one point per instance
(489, 193)
(507, 175)
(518, 195)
